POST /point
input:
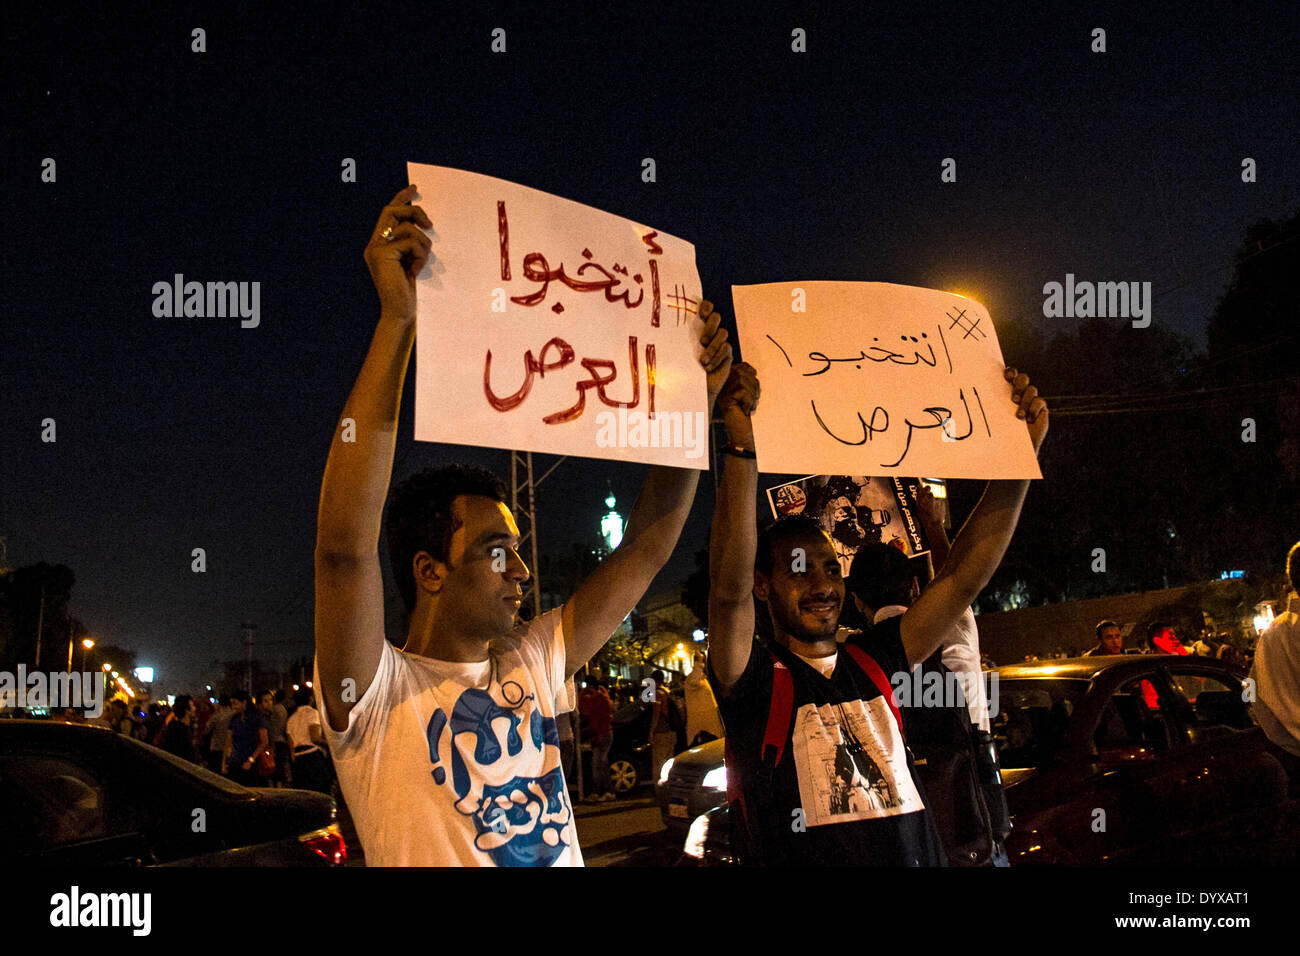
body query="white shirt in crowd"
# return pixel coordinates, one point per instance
(1276, 672)
(961, 655)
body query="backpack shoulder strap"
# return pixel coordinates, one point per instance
(873, 671)
(780, 712)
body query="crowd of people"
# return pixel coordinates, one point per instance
(1161, 638)
(274, 740)
(682, 714)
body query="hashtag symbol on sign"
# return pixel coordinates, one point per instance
(966, 325)
(681, 303)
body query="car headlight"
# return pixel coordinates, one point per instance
(716, 779)
(696, 836)
(667, 769)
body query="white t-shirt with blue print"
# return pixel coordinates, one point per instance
(446, 764)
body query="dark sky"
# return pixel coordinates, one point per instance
(224, 165)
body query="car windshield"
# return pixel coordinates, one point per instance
(1032, 716)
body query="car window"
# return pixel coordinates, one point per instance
(1136, 715)
(1212, 706)
(203, 773)
(1032, 718)
(47, 801)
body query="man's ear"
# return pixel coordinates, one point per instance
(760, 585)
(430, 573)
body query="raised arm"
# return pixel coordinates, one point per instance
(734, 536)
(978, 549)
(611, 591)
(349, 585)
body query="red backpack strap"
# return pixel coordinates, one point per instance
(779, 713)
(872, 669)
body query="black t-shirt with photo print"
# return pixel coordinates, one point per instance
(844, 792)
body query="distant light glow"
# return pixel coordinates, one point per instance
(143, 674)
(938, 487)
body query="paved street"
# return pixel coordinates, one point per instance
(626, 832)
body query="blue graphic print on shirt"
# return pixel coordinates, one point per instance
(520, 821)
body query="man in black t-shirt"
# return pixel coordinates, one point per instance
(818, 768)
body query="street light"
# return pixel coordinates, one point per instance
(86, 645)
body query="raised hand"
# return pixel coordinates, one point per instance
(398, 249)
(716, 357)
(736, 403)
(1032, 408)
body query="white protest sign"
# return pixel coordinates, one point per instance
(546, 325)
(879, 379)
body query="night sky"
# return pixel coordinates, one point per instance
(179, 433)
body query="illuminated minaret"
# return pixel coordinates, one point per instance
(611, 526)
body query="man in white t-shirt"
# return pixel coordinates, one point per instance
(447, 751)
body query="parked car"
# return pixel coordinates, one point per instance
(630, 759)
(1147, 759)
(690, 784)
(79, 795)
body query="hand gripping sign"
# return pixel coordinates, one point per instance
(871, 378)
(545, 325)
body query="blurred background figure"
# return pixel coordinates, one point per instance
(1276, 673)
(1110, 640)
(311, 766)
(702, 721)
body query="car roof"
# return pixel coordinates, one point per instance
(1088, 668)
(38, 728)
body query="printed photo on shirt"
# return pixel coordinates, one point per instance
(844, 772)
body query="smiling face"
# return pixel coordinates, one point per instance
(805, 590)
(480, 587)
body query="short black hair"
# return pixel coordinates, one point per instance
(1102, 625)
(1155, 628)
(881, 575)
(239, 695)
(419, 516)
(182, 705)
(783, 529)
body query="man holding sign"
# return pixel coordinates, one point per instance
(447, 751)
(818, 769)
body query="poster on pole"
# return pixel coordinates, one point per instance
(855, 511)
(879, 379)
(549, 326)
